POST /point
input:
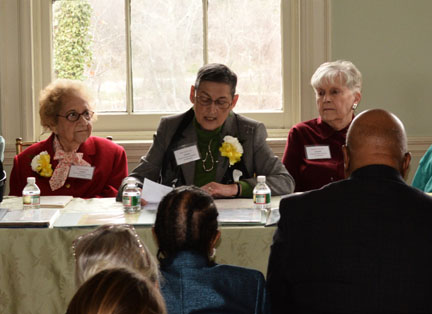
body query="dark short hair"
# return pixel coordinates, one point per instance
(219, 73)
(186, 220)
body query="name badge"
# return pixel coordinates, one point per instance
(318, 152)
(186, 154)
(81, 172)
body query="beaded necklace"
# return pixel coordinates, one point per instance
(207, 154)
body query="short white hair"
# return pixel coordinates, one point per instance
(343, 71)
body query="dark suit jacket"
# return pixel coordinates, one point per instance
(190, 285)
(361, 245)
(108, 158)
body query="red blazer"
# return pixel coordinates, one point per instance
(108, 158)
(313, 174)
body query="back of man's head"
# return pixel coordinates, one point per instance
(376, 137)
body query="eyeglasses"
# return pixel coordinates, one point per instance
(207, 101)
(74, 116)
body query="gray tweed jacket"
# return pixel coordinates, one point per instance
(257, 159)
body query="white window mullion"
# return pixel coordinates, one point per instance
(291, 60)
(128, 44)
(205, 31)
(315, 49)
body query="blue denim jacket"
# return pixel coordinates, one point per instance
(190, 285)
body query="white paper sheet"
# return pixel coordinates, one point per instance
(153, 192)
(240, 215)
(55, 201)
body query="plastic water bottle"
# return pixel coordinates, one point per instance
(262, 197)
(31, 194)
(131, 197)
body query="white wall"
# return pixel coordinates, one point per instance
(390, 41)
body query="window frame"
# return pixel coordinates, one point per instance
(305, 41)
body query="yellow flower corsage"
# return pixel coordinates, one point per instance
(41, 164)
(232, 149)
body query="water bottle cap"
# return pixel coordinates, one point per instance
(261, 179)
(131, 181)
(31, 180)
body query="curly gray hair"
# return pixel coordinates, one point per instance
(343, 71)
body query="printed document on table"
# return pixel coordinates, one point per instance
(55, 201)
(240, 215)
(153, 193)
(43, 217)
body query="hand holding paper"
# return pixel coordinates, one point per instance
(152, 192)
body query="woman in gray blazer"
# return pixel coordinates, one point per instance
(186, 233)
(212, 147)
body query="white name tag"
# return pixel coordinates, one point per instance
(318, 152)
(81, 172)
(186, 154)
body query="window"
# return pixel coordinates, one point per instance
(169, 41)
(28, 60)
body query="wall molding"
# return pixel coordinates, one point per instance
(419, 145)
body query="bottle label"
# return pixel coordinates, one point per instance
(31, 199)
(262, 198)
(131, 200)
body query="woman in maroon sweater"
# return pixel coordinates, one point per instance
(313, 154)
(70, 161)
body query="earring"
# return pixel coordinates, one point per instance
(213, 255)
(354, 107)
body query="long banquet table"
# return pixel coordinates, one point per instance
(37, 266)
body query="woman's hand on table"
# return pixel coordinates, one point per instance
(219, 190)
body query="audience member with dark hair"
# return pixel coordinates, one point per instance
(217, 141)
(360, 245)
(117, 291)
(186, 231)
(112, 246)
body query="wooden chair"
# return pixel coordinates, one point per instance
(19, 144)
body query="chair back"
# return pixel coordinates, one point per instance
(2, 148)
(2, 172)
(20, 144)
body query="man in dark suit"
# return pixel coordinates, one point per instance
(360, 245)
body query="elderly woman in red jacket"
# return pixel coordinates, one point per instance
(70, 161)
(313, 152)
